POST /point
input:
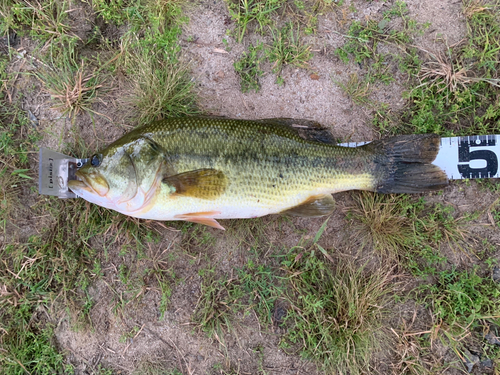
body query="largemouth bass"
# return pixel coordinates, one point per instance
(203, 169)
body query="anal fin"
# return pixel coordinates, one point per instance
(202, 218)
(314, 206)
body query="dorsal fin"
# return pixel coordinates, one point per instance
(308, 129)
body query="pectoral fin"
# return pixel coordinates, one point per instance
(201, 183)
(202, 218)
(317, 205)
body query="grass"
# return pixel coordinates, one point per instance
(358, 90)
(406, 230)
(248, 12)
(287, 49)
(464, 304)
(34, 275)
(224, 302)
(161, 89)
(214, 309)
(248, 68)
(46, 22)
(329, 314)
(72, 88)
(320, 304)
(456, 93)
(335, 313)
(155, 367)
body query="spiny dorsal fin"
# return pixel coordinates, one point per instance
(308, 129)
(317, 205)
(201, 183)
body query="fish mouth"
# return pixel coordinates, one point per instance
(83, 182)
(80, 184)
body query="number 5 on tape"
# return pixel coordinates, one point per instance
(469, 157)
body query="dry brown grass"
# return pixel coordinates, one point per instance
(411, 357)
(443, 69)
(381, 223)
(471, 7)
(72, 89)
(453, 74)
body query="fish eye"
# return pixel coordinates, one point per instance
(95, 160)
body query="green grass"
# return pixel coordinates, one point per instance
(287, 49)
(248, 68)
(215, 309)
(73, 88)
(161, 89)
(155, 366)
(224, 302)
(406, 230)
(248, 12)
(45, 21)
(45, 271)
(328, 309)
(456, 93)
(335, 313)
(464, 304)
(358, 90)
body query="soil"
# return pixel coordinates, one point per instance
(173, 339)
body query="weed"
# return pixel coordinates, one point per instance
(458, 92)
(286, 49)
(213, 312)
(357, 90)
(245, 12)
(406, 230)
(71, 87)
(461, 301)
(161, 89)
(260, 288)
(255, 288)
(363, 40)
(248, 68)
(336, 314)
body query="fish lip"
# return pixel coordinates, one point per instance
(82, 183)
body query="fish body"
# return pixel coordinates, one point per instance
(203, 169)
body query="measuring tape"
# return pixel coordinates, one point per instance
(460, 158)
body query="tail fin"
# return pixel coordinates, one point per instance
(403, 164)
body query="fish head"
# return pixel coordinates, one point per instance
(107, 179)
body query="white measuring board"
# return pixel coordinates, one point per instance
(475, 156)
